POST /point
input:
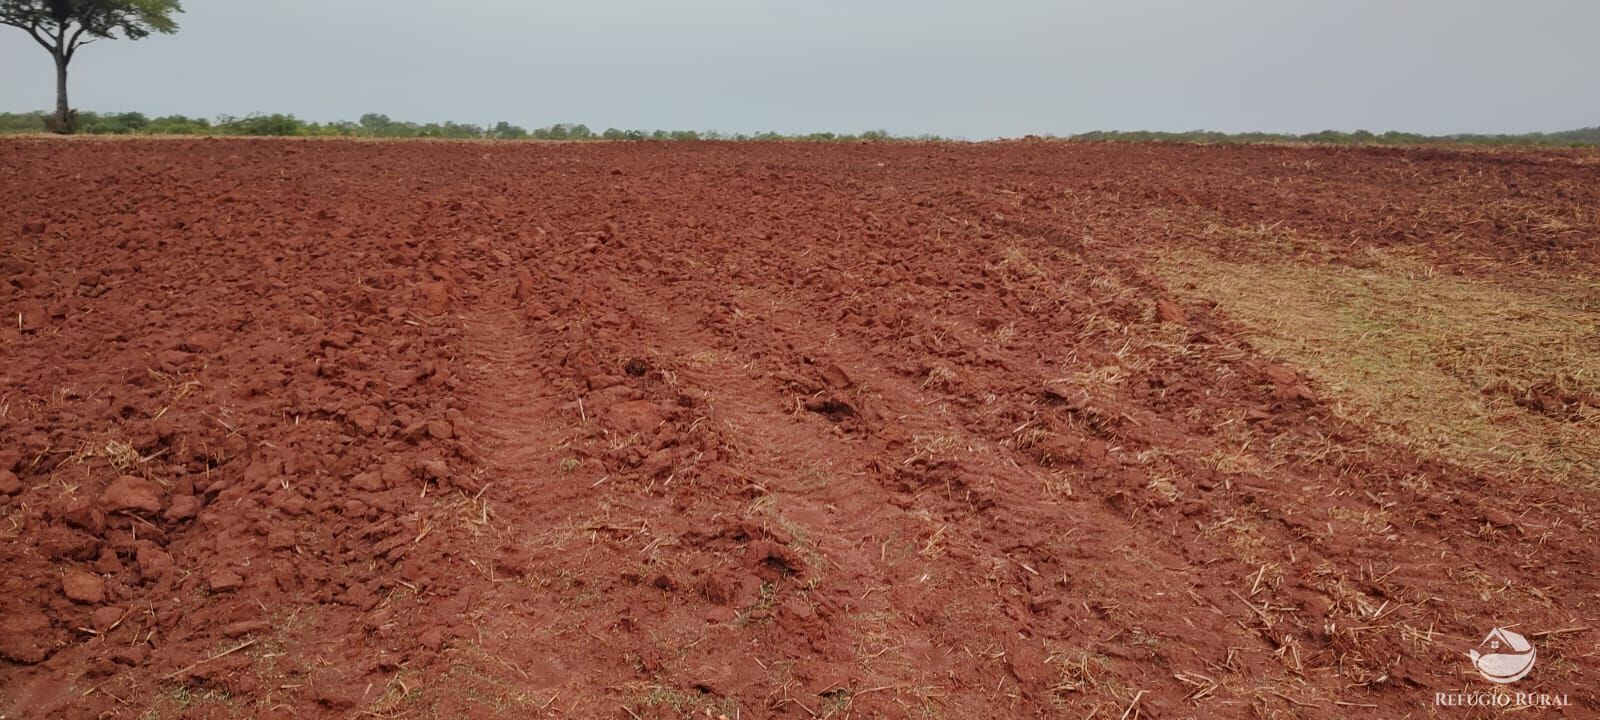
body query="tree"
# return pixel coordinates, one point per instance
(63, 26)
(506, 131)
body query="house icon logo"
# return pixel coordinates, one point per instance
(1503, 656)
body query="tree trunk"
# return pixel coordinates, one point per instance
(65, 123)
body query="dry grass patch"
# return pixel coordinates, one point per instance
(1492, 376)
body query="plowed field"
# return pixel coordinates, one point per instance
(328, 429)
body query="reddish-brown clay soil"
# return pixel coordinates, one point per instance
(337, 429)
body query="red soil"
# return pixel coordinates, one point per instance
(523, 430)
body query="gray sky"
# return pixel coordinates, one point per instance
(963, 68)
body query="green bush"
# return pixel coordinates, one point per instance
(506, 131)
(32, 122)
(178, 125)
(117, 124)
(274, 125)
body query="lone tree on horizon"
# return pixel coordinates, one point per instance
(64, 26)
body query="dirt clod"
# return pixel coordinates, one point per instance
(182, 507)
(83, 587)
(637, 416)
(1169, 312)
(1281, 375)
(202, 342)
(131, 494)
(245, 627)
(104, 618)
(224, 580)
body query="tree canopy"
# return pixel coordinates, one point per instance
(66, 25)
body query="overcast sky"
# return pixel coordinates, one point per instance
(972, 68)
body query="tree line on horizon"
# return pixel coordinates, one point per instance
(1581, 137)
(375, 125)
